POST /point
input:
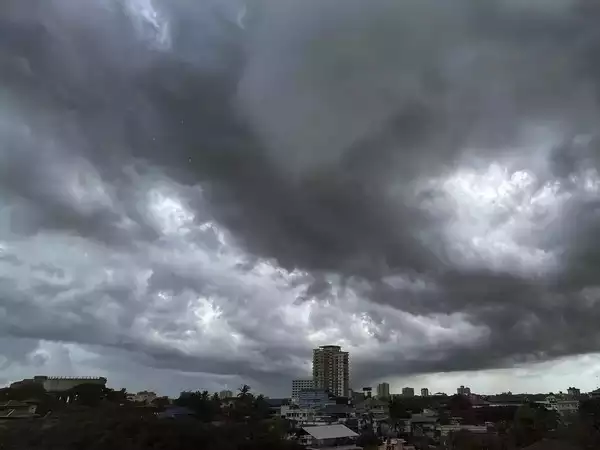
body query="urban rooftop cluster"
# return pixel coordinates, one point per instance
(324, 412)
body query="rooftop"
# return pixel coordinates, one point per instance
(276, 402)
(330, 432)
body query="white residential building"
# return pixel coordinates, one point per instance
(301, 415)
(560, 406)
(300, 385)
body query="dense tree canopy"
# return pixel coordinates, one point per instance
(111, 427)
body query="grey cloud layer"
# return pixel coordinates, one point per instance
(321, 136)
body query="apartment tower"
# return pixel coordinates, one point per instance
(331, 370)
(383, 391)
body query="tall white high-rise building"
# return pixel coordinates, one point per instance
(300, 385)
(331, 370)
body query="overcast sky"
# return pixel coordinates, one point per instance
(194, 194)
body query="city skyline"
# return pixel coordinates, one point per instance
(395, 389)
(543, 377)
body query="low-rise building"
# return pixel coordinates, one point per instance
(329, 437)
(300, 385)
(336, 413)
(145, 397)
(297, 414)
(561, 406)
(314, 398)
(373, 407)
(573, 392)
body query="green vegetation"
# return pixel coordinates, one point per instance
(112, 427)
(93, 418)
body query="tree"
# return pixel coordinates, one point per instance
(113, 396)
(261, 408)
(87, 394)
(368, 439)
(201, 403)
(25, 391)
(532, 422)
(243, 391)
(460, 403)
(465, 440)
(128, 428)
(398, 409)
(586, 429)
(244, 404)
(461, 406)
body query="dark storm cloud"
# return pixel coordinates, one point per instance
(307, 131)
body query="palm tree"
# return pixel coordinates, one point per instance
(244, 391)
